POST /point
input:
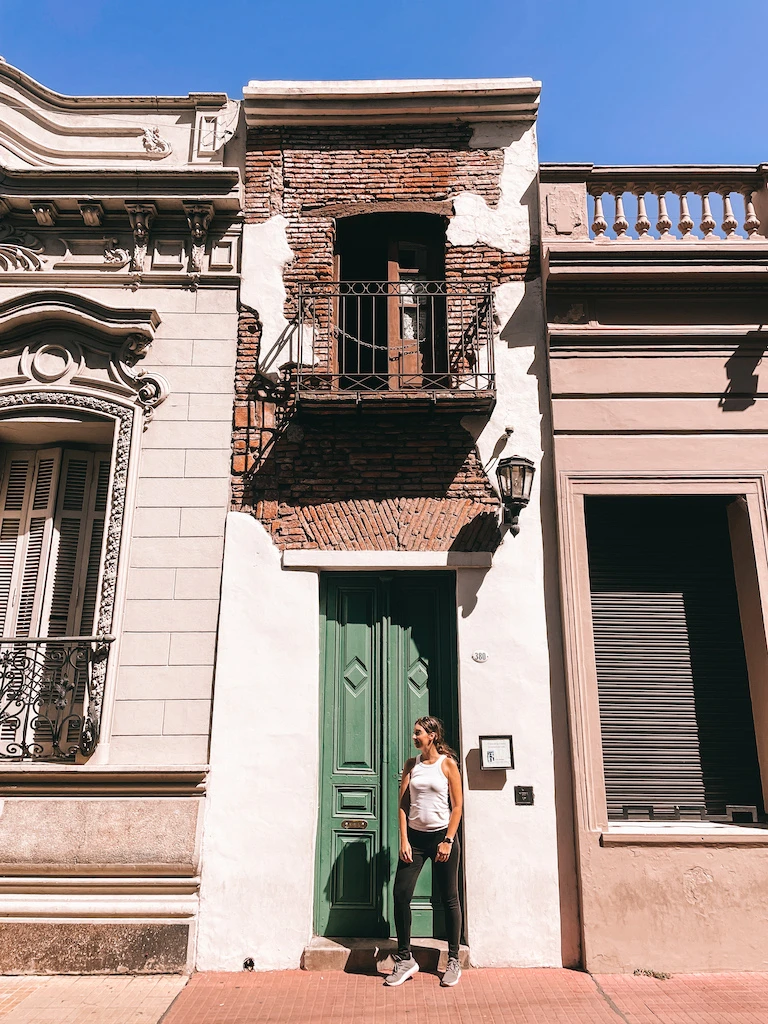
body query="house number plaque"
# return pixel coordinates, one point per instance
(354, 823)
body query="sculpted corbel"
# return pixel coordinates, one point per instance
(141, 216)
(19, 250)
(199, 217)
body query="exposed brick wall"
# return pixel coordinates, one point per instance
(298, 168)
(393, 481)
(388, 482)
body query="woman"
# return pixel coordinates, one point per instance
(429, 813)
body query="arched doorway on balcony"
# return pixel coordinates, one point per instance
(390, 316)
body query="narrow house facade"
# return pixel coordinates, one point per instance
(391, 352)
(119, 236)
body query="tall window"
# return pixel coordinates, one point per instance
(53, 508)
(675, 709)
(391, 335)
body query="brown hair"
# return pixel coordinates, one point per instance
(430, 724)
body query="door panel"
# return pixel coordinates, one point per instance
(388, 657)
(422, 646)
(349, 883)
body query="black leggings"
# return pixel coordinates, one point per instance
(424, 846)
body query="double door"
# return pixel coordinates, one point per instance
(388, 658)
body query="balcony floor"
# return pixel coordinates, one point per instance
(411, 400)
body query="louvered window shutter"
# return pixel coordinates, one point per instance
(675, 711)
(27, 500)
(53, 507)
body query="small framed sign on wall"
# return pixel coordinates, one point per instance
(496, 752)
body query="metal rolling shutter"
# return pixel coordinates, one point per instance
(675, 708)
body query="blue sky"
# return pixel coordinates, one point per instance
(680, 81)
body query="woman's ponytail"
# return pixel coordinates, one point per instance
(433, 725)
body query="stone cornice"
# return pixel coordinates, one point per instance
(417, 101)
(57, 306)
(650, 174)
(83, 780)
(42, 94)
(175, 186)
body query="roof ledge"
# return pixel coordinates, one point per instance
(400, 101)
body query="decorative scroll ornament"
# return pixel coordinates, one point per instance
(19, 249)
(199, 217)
(141, 216)
(155, 145)
(153, 389)
(114, 255)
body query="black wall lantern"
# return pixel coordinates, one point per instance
(515, 475)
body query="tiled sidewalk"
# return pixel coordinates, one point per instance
(534, 996)
(482, 997)
(87, 1000)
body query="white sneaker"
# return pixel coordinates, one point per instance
(403, 970)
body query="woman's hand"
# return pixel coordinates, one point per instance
(443, 852)
(406, 853)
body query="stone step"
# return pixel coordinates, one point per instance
(369, 956)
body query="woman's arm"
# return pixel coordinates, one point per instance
(403, 804)
(451, 770)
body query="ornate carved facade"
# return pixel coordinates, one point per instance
(119, 260)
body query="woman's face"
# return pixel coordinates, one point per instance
(421, 738)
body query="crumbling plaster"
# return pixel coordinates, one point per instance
(507, 225)
(511, 226)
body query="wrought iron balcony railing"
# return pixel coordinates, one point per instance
(405, 337)
(46, 689)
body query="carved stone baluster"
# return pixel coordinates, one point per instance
(685, 226)
(708, 223)
(620, 224)
(730, 223)
(643, 225)
(599, 224)
(664, 223)
(751, 222)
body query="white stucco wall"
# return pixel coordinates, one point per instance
(259, 838)
(258, 897)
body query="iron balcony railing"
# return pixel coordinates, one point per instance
(398, 336)
(46, 690)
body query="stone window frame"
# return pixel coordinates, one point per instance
(579, 652)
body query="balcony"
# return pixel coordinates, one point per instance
(46, 686)
(654, 222)
(408, 344)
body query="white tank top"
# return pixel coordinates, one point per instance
(429, 810)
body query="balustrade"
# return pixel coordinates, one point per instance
(619, 196)
(641, 204)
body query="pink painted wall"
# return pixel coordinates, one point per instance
(658, 419)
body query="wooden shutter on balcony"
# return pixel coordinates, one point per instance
(26, 533)
(675, 708)
(52, 511)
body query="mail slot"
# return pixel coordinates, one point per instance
(354, 823)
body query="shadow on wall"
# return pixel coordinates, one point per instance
(743, 382)
(362, 482)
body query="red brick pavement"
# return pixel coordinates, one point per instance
(689, 998)
(536, 996)
(501, 996)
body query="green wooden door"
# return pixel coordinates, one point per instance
(388, 657)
